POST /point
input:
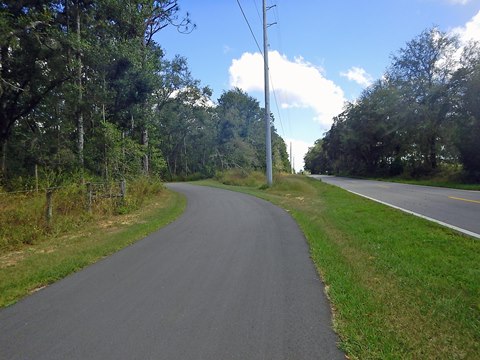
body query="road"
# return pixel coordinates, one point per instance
(458, 209)
(230, 279)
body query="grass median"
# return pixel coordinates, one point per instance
(400, 287)
(30, 267)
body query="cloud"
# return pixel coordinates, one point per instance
(359, 75)
(459, 2)
(297, 83)
(471, 30)
(192, 98)
(299, 149)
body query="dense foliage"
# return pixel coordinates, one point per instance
(424, 114)
(85, 90)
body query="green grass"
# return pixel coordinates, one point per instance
(437, 183)
(35, 265)
(446, 177)
(400, 287)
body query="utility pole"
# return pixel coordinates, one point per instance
(291, 159)
(268, 136)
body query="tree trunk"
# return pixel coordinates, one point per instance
(433, 153)
(79, 112)
(145, 160)
(185, 148)
(4, 158)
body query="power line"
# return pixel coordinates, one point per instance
(280, 46)
(276, 104)
(251, 31)
(258, 12)
(269, 76)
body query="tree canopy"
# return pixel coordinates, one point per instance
(422, 115)
(85, 89)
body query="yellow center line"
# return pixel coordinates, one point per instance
(467, 200)
(384, 186)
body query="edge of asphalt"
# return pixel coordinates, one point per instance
(453, 227)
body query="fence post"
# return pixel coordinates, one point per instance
(36, 178)
(48, 211)
(89, 197)
(123, 188)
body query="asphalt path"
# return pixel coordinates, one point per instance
(230, 279)
(458, 209)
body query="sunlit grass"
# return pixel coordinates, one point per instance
(400, 287)
(23, 220)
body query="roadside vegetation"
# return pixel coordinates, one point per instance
(33, 255)
(88, 95)
(452, 183)
(419, 122)
(400, 287)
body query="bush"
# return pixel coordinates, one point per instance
(241, 177)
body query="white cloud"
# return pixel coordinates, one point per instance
(471, 30)
(359, 75)
(297, 83)
(299, 149)
(460, 2)
(194, 98)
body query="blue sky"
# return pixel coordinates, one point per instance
(322, 53)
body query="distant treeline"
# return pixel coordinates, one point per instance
(85, 91)
(421, 117)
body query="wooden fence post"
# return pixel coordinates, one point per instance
(36, 178)
(48, 211)
(123, 188)
(89, 197)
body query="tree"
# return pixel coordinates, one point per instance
(32, 62)
(466, 85)
(240, 137)
(421, 72)
(316, 160)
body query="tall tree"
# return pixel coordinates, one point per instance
(466, 89)
(421, 71)
(32, 61)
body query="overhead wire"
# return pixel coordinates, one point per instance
(276, 104)
(271, 79)
(280, 46)
(258, 11)
(248, 23)
(261, 52)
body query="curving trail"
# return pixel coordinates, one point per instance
(230, 279)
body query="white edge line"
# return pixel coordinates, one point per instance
(467, 232)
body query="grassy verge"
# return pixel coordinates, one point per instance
(444, 177)
(400, 287)
(437, 183)
(33, 266)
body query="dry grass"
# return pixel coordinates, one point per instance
(23, 220)
(32, 266)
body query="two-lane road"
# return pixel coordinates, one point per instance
(230, 279)
(458, 209)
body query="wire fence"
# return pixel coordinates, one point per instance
(92, 192)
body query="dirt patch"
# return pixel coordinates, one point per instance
(123, 220)
(11, 259)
